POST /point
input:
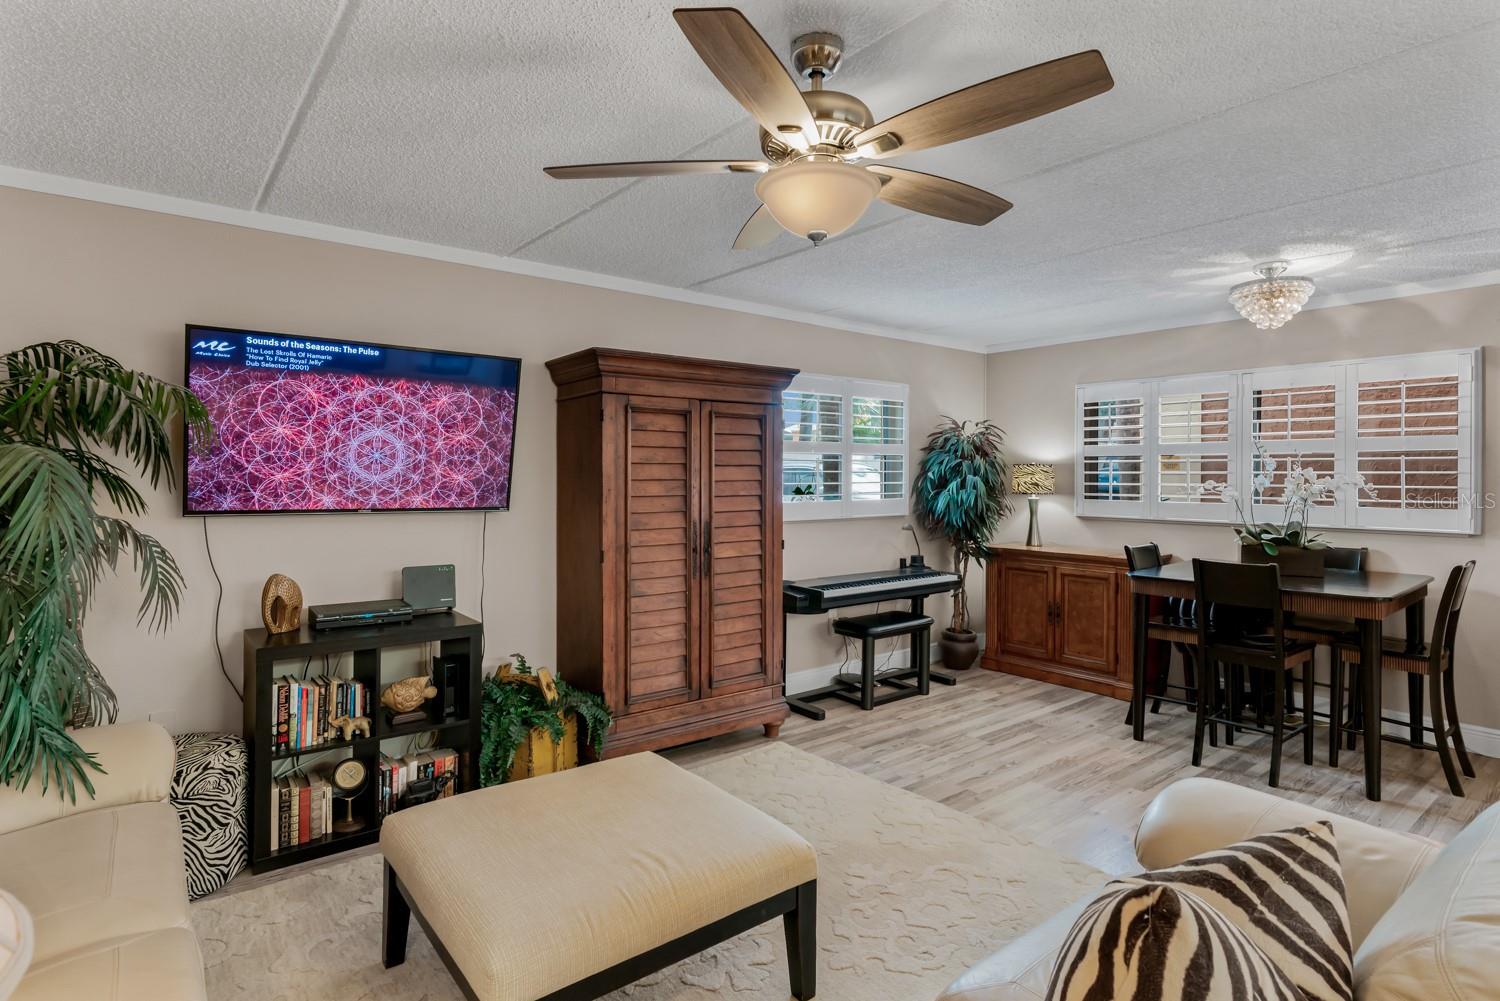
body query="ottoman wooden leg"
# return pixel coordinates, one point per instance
(396, 922)
(801, 925)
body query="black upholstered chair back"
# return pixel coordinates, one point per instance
(1246, 626)
(1337, 558)
(1143, 557)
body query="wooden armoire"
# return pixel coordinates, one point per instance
(669, 542)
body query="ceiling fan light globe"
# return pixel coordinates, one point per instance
(820, 196)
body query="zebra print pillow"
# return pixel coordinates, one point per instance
(1285, 891)
(1150, 942)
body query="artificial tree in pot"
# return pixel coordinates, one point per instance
(67, 414)
(960, 495)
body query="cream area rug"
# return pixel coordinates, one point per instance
(910, 893)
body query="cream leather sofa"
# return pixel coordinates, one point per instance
(1436, 938)
(103, 878)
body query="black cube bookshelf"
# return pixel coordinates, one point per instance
(457, 636)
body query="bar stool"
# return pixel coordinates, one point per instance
(1176, 626)
(1432, 660)
(869, 629)
(1329, 632)
(1247, 630)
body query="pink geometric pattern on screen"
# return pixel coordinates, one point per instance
(337, 441)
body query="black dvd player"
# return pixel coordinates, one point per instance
(359, 613)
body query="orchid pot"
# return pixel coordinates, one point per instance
(1294, 561)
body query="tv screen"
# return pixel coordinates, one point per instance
(311, 424)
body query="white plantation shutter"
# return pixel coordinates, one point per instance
(1415, 442)
(1113, 457)
(844, 448)
(1195, 419)
(1409, 425)
(1297, 415)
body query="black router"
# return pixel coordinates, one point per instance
(359, 613)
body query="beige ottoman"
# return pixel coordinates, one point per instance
(571, 885)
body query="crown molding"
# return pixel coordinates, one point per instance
(72, 187)
(1226, 315)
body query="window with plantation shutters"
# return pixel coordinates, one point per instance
(844, 448)
(1406, 427)
(1194, 423)
(1415, 442)
(1296, 422)
(1112, 449)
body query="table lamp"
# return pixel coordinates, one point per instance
(1033, 479)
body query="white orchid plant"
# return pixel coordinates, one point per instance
(1302, 487)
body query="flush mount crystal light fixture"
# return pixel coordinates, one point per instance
(816, 198)
(1272, 299)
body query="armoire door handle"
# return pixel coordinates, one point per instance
(708, 549)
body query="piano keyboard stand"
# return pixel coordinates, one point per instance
(861, 689)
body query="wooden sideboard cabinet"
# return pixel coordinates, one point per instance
(1059, 614)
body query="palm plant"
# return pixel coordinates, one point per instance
(62, 405)
(961, 495)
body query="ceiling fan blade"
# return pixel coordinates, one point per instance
(938, 196)
(657, 168)
(994, 104)
(759, 230)
(749, 70)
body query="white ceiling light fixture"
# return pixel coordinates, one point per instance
(817, 198)
(815, 142)
(1271, 300)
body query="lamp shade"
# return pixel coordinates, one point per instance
(1033, 478)
(816, 199)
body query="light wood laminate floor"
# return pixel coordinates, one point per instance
(1058, 766)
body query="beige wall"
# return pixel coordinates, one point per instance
(126, 281)
(1031, 396)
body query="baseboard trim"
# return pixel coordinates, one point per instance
(809, 678)
(1482, 740)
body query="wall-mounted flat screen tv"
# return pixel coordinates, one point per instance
(312, 424)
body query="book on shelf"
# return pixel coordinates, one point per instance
(302, 830)
(396, 774)
(301, 809)
(284, 813)
(303, 710)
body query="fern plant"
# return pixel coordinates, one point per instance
(509, 711)
(66, 411)
(960, 495)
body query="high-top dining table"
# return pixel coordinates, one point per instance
(1366, 597)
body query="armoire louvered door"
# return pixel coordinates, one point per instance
(742, 535)
(662, 524)
(669, 542)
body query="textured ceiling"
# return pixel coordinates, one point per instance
(1359, 138)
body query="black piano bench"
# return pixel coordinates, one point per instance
(860, 689)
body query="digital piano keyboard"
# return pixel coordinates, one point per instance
(805, 597)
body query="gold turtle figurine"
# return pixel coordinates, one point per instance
(408, 694)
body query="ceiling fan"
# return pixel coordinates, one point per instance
(815, 182)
